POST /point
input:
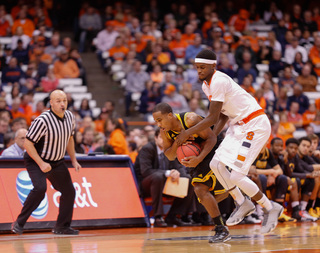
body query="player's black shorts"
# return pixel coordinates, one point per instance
(204, 175)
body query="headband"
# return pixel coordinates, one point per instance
(206, 61)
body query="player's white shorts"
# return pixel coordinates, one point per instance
(243, 143)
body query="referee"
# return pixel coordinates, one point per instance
(48, 138)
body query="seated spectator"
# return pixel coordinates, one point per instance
(78, 146)
(268, 94)
(55, 49)
(258, 95)
(286, 128)
(157, 54)
(84, 109)
(155, 168)
(21, 54)
(309, 115)
(264, 55)
(294, 116)
(19, 35)
(177, 101)
(17, 149)
(65, 67)
(156, 75)
(74, 55)
(15, 109)
(119, 51)
(195, 107)
(276, 64)
(225, 66)
(314, 55)
(193, 49)
(292, 49)
(4, 128)
(287, 80)
(178, 46)
(316, 124)
(116, 136)
(5, 27)
(308, 81)
(12, 73)
(135, 83)
(87, 139)
(244, 71)
(298, 97)
(26, 106)
(244, 53)
(247, 85)
(49, 82)
(240, 21)
(272, 15)
(150, 96)
(105, 40)
(178, 77)
(40, 108)
(90, 24)
(298, 63)
(26, 24)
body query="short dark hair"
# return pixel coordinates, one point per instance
(164, 108)
(157, 132)
(207, 54)
(304, 139)
(292, 141)
(275, 139)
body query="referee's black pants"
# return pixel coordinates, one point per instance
(60, 179)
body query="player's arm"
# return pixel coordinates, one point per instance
(223, 119)
(207, 134)
(212, 119)
(169, 146)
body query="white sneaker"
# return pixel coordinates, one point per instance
(270, 219)
(251, 219)
(240, 212)
(305, 216)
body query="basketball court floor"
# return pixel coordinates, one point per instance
(288, 237)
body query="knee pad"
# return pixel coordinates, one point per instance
(236, 177)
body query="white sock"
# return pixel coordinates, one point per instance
(294, 203)
(304, 205)
(265, 202)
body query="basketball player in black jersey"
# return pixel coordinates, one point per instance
(203, 178)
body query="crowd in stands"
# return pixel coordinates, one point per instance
(155, 51)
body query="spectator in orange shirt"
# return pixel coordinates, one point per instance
(307, 81)
(101, 120)
(286, 128)
(27, 24)
(40, 108)
(178, 46)
(118, 52)
(146, 36)
(65, 67)
(117, 137)
(260, 99)
(314, 55)
(240, 21)
(189, 34)
(161, 57)
(16, 111)
(26, 106)
(141, 44)
(309, 115)
(212, 23)
(4, 24)
(156, 75)
(247, 85)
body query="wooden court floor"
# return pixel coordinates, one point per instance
(288, 237)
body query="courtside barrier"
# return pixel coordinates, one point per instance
(107, 194)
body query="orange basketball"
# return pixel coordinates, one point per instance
(192, 149)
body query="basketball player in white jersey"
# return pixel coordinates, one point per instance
(249, 129)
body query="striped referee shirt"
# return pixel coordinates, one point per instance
(50, 134)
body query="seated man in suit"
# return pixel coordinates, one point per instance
(155, 168)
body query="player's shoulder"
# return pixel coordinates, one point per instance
(221, 77)
(192, 118)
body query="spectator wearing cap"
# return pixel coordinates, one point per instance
(90, 24)
(24, 22)
(105, 40)
(177, 101)
(65, 67)
(292, 49)
(19, 35)
(55, 48)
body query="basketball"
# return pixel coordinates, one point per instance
(192, 149)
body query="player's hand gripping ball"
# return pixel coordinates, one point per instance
(186, 150)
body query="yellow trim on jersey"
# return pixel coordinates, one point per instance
(185, 122)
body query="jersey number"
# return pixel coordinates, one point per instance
(250, 136)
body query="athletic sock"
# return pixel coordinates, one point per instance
(218, 220)
(317, 203)
(265, 202)
(310, 204)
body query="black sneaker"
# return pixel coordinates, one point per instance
(222, 234)
(65, 231)
(16, 228)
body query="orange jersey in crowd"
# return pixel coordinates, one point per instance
(118, 53)
(26, 24)
(314, 56)
(178, 48)
(189, 38)
(68, 69)
(118, 142)
(208, 25)
(308, 117)
(162, 58)
(4, 25)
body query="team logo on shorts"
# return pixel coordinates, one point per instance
(24, 186)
